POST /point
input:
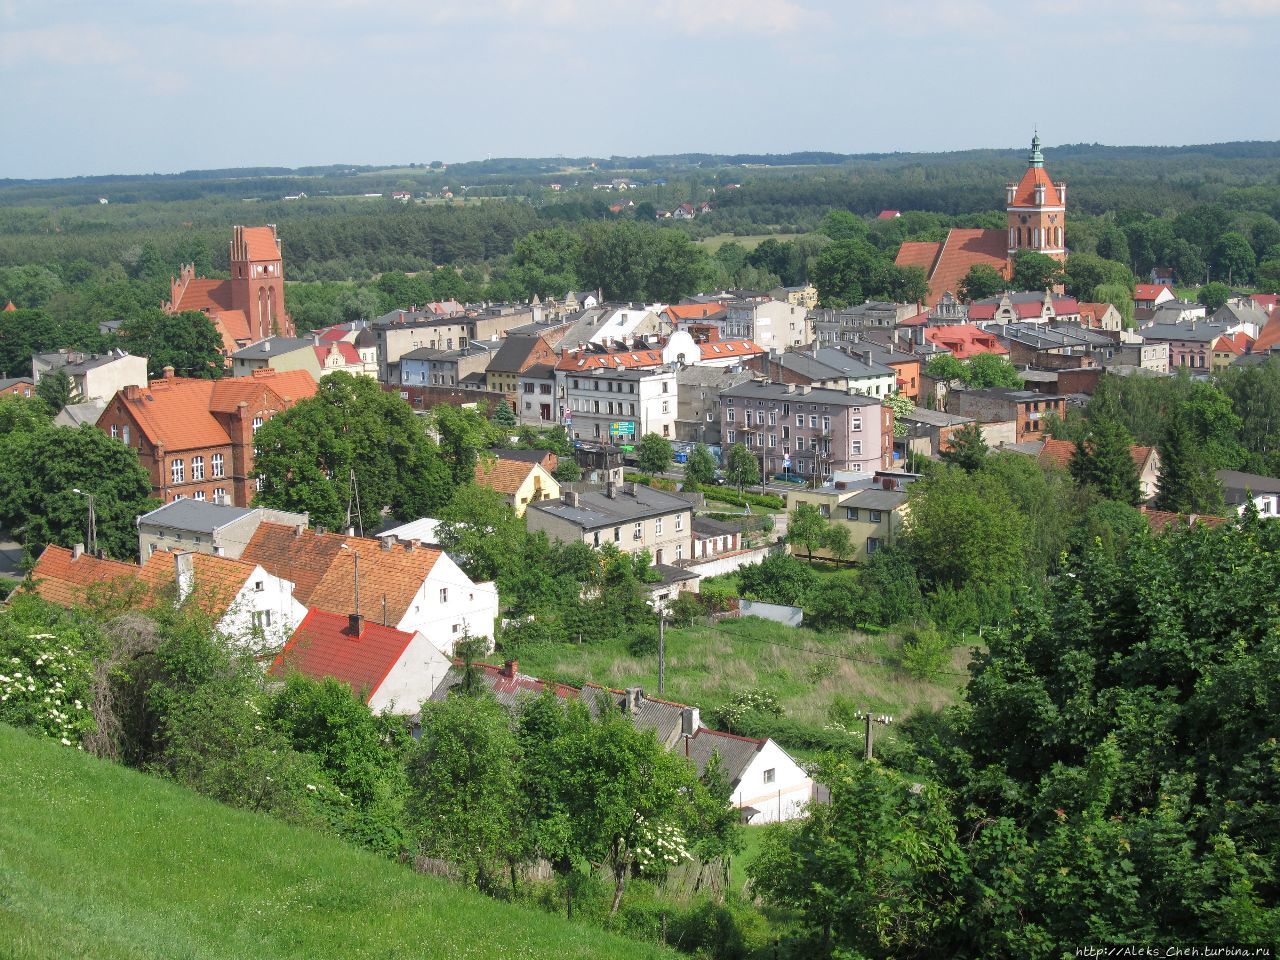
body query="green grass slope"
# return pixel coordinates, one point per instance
(99, 861)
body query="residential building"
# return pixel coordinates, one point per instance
(250, 306)
(805, 295)
(1025, 409)
(1036, 215)
(520, 482)
(74, 578)
(850, 324)
(845, 369)
(872, 515)
(1148, 296)
(1228, 347)
(277, 353)
(808, 431)
(1025, 308)
(195, 437)
(537, 404)
(711, 538)
(1101, 316)
(1190, 343)
(444, 368)
(766, 783)
(1241, 316)
(1052, 347)
(631, 516)
(339, 356)
(964, 340)
(517, 354)
(206, 526)
(16, 387)
(929, 432)
(442, 327)
(94, 376)
(1058, 453)
(391, 670)
(698, 401)
(622, 404)
(1239, 489)
(399, 584)
(771, 324)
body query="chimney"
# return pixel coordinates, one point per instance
(77, 551)
(635, 696)
(789, 388)
(570, 498)
(510, 669)
(611, 490)
(297, 531)
(266, 346)
(409, 545)
(168, 371)
(389, 542)
(355, 625)
(690, 721)
(185, 571)
(631, 487)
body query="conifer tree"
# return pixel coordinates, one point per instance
(1187, 482)
(1102, 460)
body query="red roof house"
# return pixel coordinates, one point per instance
(964, 340)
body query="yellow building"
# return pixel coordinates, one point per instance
(872, 516)
(520, 482)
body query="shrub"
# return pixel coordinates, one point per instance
(769, 501)
(779, 578)
(926, 650)
(745, 710)
(684, 608)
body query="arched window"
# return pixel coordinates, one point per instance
(262, 309)
(1019, 236)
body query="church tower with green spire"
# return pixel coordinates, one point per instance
(1037, 209)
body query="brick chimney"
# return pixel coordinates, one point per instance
(168, 371)
(355, 625)
(510, 669)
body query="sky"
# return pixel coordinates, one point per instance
(141, 86)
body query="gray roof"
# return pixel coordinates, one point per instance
(513, 353)
(706, 527)
(830, 364)
(935, 418)
(1198, 331)
(718, 377)
(595, 509)
(1236, 485)
(668, 575)
(539, 371)
(7, 382)
(1038, 336)
(272, 347)
(1233, 313)
(198, 516)
(77, 361)
(876, 499)
(736, 753)
(446, 356)
(87, 411)
(760, 390)
(1005, 393)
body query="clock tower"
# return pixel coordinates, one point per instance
(1037, 210)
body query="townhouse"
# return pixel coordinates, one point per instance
(873, 516)
(633, 517)
(618, 403)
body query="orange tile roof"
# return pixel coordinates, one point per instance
(1237, 343)
(619, 360)
(946, 264)
(1160, 520)
(717, 349)
(694, 311)
(964, 340)
(1148, 291)
(233, 327)
(261, 243)
(202, 294)
(1024, 195)
(323, 646)
(265, 388)
(1092, 312)
(85, 580)
(504, 476)
(323, 572)
(1269, 338)
(1058, 453)
(345, 350)
(217, 580)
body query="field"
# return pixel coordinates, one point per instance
(97, 861)
(809, 672)
(716, 241)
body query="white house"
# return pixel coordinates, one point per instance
(1239, 489)
(622, 403)
(768, 785)
(392, 670)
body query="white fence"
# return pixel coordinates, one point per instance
(729, 562)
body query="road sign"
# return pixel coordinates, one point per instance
(786, 461)
(622, 429)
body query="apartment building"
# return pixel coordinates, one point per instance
(623, 404)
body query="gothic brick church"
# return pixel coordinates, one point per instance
(250, 306)
(1036, 209)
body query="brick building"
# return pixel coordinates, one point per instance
(195, 437)
(250, 306)
(1026, 409)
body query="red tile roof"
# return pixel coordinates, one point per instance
(504, 476)
(347, 351)
(1091, 314)
(84, 580)
(964, 340)
(202, 294)
(946, 264)
(1024, 194)
(324, 646)
(718, 349)
(1148, 291)
(1058, 453)
(888, 214)
(618, 360)
(1269, 338)
(1266, 301)
(9, 307)
(1160, 520)
(693, 311)
(303, 557)
(261, 243)
(216, 584)
(1024, 309)
(1237, 343)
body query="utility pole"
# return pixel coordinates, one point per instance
(93, 522)
(871, 720)
(662, 652)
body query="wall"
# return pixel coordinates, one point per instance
(101, 383)
(275, 598)
(783, 799)
(471, 607)
(727, 563)
(412, 679)
(789, 616)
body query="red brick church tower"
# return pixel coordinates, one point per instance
(1037, 210)
(257, 281)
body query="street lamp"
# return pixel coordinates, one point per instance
(93, 521)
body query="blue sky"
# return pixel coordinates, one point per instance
(135, 86)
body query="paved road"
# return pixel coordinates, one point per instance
(10, 557)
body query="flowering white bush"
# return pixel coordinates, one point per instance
(44, 685)
(659, 847)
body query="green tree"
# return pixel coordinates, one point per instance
(465, 782)
(1119, 296)
(741, 468)
(546, 263)
(481, 532)
(1214, 295)
(967, 449)
(567, 470)
(701, 466)
(982, 281)
(1035, 271)
(842, 225)
(902, 406)
(680, 267)
(305, 457)
(1233, 258)
(779, 578)
(186, 341)
(54, 389)
(1187, 483)
(464, 434)
(807, 527)
(504, 418)
(40, 471)
(841, 271)
(990, 370)
(1102, 460)
(655, 454)
(945, 368)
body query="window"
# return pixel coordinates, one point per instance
(115, 432)
(824, 509)
(679, 522)
(261, 619)
(257, 422)
(666, 406)
(770, 775)
(826, 424)
(617, 534)
(124, 434)
(638, 532)
(749, 421)
(759, 439)
(444, 594)
(199, 495)
(217, 465)
(657, 527)
(220, 494)
(178, 471)
(813, 423)
(732, 437)
(855, 424)
(197, 468)
(855, 447)
(773, 440)
(875, 516)
(257, 484)
(679, 551)
(595, 539)
(851, 513)
(873, 544)
(799, 419)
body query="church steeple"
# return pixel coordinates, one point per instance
(1035, 158)
(1037, 209)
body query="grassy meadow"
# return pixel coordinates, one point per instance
(97, 861)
